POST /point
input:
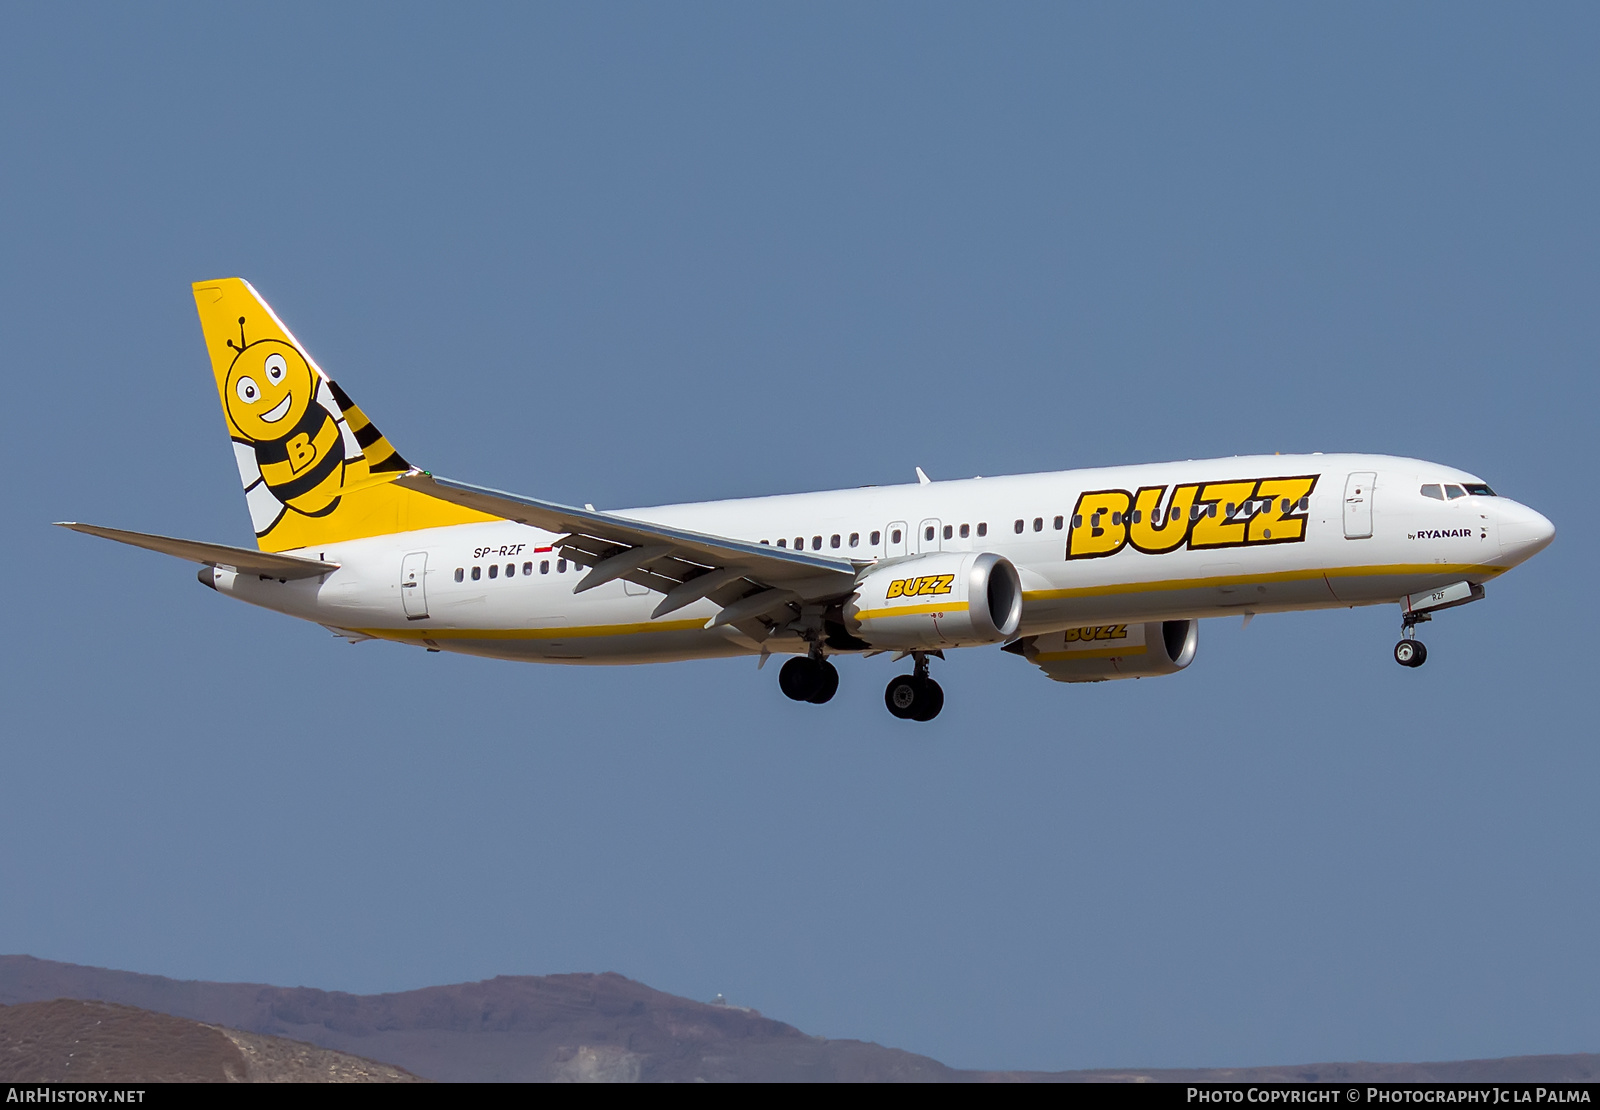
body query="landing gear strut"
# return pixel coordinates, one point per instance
(811, 679)
(915, 696)
(1410, 651)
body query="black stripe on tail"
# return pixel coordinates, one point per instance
(380, 453)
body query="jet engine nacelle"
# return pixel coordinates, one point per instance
(1105, 651)
(939, 600)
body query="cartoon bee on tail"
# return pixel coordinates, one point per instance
(290, 437)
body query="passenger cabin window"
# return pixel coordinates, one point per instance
(816, 543)
(1480, 490)
(1453, 492)
(460, 574)
(948, 531)
(561, 566)
(873, 539)
(1017, 527)
(1077, 519)
(799, 543)
(477, 573)
(527, 568)
(767, 542)
(966, 530)
(1038, 524)
(894, 537)
(855, 539)
(928, 533)
(783, 543)
(1434, 491)
(511, 570)
(983, 528)
(494, 570)
(1059, 523)
(544, 566)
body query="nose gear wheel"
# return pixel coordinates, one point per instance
(1411, 653)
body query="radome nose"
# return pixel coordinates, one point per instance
(1523, 532)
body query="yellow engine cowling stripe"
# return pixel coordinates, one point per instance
(1097, 653)
(911, 610)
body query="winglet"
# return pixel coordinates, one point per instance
(923, 479)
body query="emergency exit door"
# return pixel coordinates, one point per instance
(1358, 505)
(413, 591)
(895, 541)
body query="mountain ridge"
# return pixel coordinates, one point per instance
(587, 1026)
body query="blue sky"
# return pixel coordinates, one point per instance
(633, 254)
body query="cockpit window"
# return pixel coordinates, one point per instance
(1433, 491)
(1480, 490)
(1453, 492)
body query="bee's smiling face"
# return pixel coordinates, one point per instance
(269, 387)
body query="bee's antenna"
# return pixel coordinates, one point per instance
(241, 346)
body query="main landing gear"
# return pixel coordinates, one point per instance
(911, 697)
(1410, 651)
(915, 696)
(811, 678)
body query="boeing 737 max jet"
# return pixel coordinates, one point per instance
(1088, 574)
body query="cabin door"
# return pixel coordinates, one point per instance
(1358, 505)
(413, 592)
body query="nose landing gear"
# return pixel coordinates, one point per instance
(915, 696)
(1410, 651)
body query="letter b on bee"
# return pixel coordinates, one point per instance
(302, 452)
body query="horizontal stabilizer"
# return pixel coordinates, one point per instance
(241, 559)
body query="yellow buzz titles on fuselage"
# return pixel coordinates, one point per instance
(1197, 516)
(272, 399)
(1099, 524)
(1162, 526)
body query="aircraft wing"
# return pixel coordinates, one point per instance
(241, 559)
(749, 580)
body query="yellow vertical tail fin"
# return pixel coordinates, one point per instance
(315, 469)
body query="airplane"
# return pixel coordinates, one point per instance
(1090, 575)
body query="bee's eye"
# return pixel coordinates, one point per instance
(276, 368)
(247, 391)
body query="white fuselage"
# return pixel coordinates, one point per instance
(1386, 543)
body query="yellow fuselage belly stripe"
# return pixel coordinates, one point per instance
(910, 610)
(1276, 576)
(1097, 653)
(583, 631)
(573, 633)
